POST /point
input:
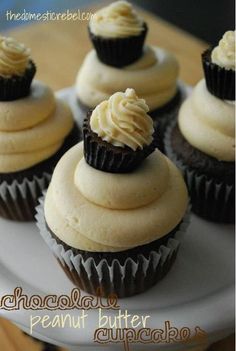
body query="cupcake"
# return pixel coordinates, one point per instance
(117, 34)
(153, 72)
(202, 144)
(119, 232)
(35, 130)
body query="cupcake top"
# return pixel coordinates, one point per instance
(117, 20)
(14, 57)
(208, 123)
(26, 141)
(122, 120)
(153, 76)
(105, 212)
(224, 54)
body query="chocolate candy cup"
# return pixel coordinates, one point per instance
(219, 80)
(17, 87)
(119, 52)
(106, 157)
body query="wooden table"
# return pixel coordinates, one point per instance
(58, 49)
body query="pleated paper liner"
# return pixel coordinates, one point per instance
(210, 199)
(119, 52)
(104, 156)
(114, 274)
(219, 80)
(19, 192)
(18, 200)
(16, 87)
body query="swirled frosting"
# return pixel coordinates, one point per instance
(96, 211)
(208, 123)
(122, 120)
(153, 76)
(118, 20)
(224, 54)
(14, 57)
(32, 129)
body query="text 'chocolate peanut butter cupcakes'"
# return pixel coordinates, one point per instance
(202, 143)
(35, 130)
(115, 210)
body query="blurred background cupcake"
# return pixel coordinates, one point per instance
(110, 227)
(120, 60)
(203, 142)
(35, 130)
(118, 34)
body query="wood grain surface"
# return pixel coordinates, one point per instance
(58, 49)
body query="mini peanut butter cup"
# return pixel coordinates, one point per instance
(219, 80)
(16, 87)
(106, 157)
(119, 52)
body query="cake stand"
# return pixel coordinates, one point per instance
(198, 291)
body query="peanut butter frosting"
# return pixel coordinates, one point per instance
(32, 129)
(117, 20)
(224, 54)
(153, 76)
(122, 120)
(36, 108)
(96, 211)
(14, 57)
(208, 123)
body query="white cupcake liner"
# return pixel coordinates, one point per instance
(19, 199)
(127, 279)
(211, 199)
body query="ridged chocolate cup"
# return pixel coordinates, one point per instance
(16, 87)
(124, 273)
(212, 197)
(119, 52)
(19, 191)
(106, 157)
(219, 80)
(161, 116)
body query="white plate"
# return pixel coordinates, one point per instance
(199, 290)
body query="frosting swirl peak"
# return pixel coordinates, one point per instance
(224, 54)
(118, 20)
(122, 120)
(14, 57)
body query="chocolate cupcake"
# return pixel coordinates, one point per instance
(219, 68)
(202, 144)
(118, 133)
(153, 73)
(117, 34)
(16, 70)
(35, 131)
(119, 232)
